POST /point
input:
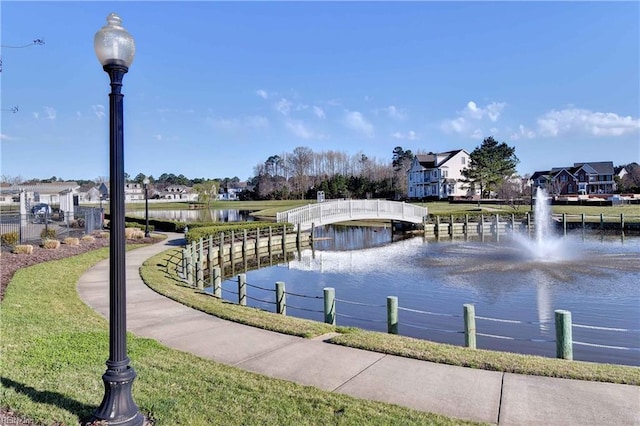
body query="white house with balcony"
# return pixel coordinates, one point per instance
(438, 175)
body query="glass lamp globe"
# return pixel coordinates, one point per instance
(145, 181)
(113, 44)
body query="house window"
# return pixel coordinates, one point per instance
(445, 173)
(464, 159)
(435, 173)
(563, 178)
(570, 189)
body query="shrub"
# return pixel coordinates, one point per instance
(11, 238)
(133, 233)
(71, 241)
(138, 225)
(51, 244)
(87, 238)
(23, 249)
(77, 223)
(103, 234)
(48, 234)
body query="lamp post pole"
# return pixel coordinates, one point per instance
(145, 182)
(115, 50)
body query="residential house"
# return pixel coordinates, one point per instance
(133, 191)
(579, 179)
(38, 192)
(438, 175)
(177, 192)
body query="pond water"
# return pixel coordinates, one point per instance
(595, 277)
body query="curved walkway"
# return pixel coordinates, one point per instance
(465, 393)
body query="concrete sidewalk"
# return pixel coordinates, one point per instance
(464, 393)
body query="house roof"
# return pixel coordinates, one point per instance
(47, 188)
(539, 174)
(433, 160)
(601, 167)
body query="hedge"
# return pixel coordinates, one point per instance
(195, 233)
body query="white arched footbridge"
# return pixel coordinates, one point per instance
(344, 210)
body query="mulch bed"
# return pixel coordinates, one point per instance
(11, 262)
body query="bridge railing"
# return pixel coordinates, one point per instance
(345, 209)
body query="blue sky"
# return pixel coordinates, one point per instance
(218, 87)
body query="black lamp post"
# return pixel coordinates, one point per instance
(145, 182)
(115, 49)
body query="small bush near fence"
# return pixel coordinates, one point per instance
(71, 241)
(103, 234)
(48, 234)
(51, 244)
(87, 238)
(23, 249)
(10, 238)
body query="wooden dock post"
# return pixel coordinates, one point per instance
(221, 250)
(469, 312)
(242, 289)
(392, 315)
(564, 339)
(281, 298)
(232, 252)
(330, 305)
(564, 224)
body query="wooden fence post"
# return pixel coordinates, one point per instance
(281, 298)
(199, 274)
(298, 237)
(232, 251)
(564, 339)
(451, 226)
(392, 315)
(469, 325)
(185, 255)
(242, 289)
(621, 221)
(564, 224)
(330, 305)
(284, 241)
(221, 250)
(497, 226)
(217, 282)
(189, 269)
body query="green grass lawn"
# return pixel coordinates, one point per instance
(159, 273)
(53, 351)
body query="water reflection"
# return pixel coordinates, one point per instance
(197, 215)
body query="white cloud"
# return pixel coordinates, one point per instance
(157, 137)
(98, 110)
(262, 93)
(51, 113)
(36, 115)
(466, 123)
(5, 137)
(319, 112)
(78, 114)
(396, 113)
(410, 135)
(233, 124)
(299, 129)
(283, 106)
(523, 133)
(356, 121)
(585, 122)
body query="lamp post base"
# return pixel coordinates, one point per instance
(118, 407)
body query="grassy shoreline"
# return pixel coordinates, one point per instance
(159, 274)
(53, 350)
